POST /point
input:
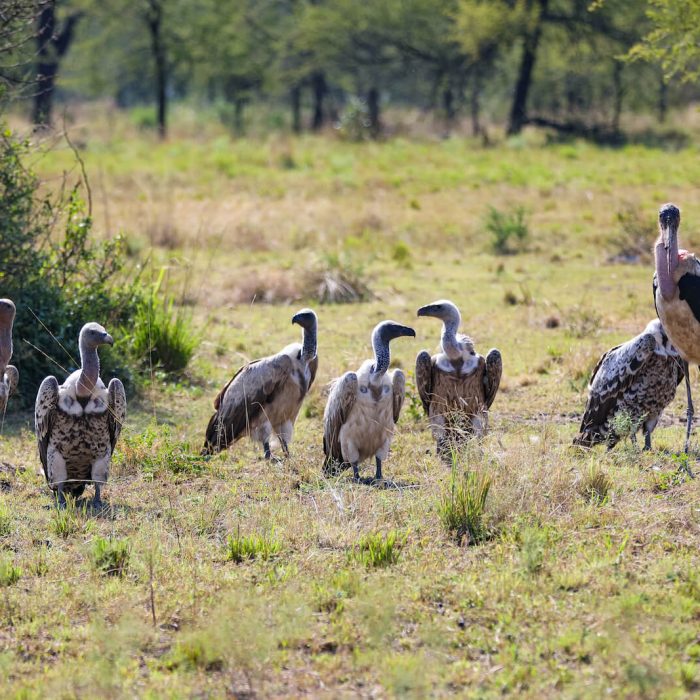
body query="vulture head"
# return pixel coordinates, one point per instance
(663, 344)
(7, 317)
(443, 309)
(92, 335)
(382, 335)
(305, 318)
(7, 313)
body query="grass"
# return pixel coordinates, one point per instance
(585, 583)
(240, 549)
(111, 557)
(462, 506)
(378, 550)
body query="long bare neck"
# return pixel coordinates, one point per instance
(309, 345)
(382, 357)
(666, 264)
(5, 347)
(450, 344)
(89, 369)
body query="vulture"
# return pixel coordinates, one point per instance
(78, 423)
(638, 378)
(263, 398)
(457, 386)
(363, 408)
(9, 376)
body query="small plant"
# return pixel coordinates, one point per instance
(336, 281)
(508, 229)
(631, 243)
(624, 425)
(533, 545)
(354, 123)
(582, 322)
(111, 557)
(9, 573)
(401, 255)
(163, 336)
(65, 521)
(462, 506)
(239, 549)
(595, 486)
(377, 550)
(5, 520)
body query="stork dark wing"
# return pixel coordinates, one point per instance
(689, 291)
(492, 375)
(117, 410)
(613, 374)
(424, 379)
(398, 386)
(44, 413)
(244, 398)
(340, 402)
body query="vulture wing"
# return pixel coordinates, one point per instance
(492, 375)
(398, 385)
(340, 402)
(244, 399)
(44, 413)
(424, 378)
(117, 410)
(613, 374)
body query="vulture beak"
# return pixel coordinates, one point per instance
(396, 330)
(108, 339)
(304, 318)
(426, 310)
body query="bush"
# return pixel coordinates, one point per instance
(58, 283)
(111, 557)
(462, 506)
(508, 229)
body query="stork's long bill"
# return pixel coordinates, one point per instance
(666, 251)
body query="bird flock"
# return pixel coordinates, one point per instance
(78, 422)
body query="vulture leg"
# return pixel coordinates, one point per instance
(97, 501)
(690, 413)
(266, 447)
(633, 438)
(647, 440)
(61, 500)
(355, 471)
(378, 475)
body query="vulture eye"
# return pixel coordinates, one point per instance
(363, 389)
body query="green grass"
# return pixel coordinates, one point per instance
(111, 557)
(584, 582)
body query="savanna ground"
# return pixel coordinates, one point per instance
(587, 581)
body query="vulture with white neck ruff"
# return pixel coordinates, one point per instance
(9, 376)
(263, 398)
(457, 386)
(78, 423)
(677, 297)
(364, 406)
(638, 378)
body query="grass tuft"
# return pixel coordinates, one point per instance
(110, 556)
(595, 486)
(376, 550)
(509, 229)
(9, 573)
(337, 281)
(240, 549)
(5, 520)
(66, 521)
(462, 507)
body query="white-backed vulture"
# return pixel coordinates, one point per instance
(263, 398)
(638, 379)
(78, 423)
(676, 287)
(9, 376)
(457, 386)
(364, 406)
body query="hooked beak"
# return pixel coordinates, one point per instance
(398, 331)
(108, 339)
(426, 310)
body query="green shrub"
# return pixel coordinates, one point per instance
(508, 229)
(377, 550)
(163, 336)
(110, 556)
(9, 573)
(239, 549)
(461, 507)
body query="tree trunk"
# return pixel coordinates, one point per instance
(51, 47)
(318, 85)
(375, 125)
(662, 106)
(154, 20)
(238, 106)
(295, 96)
(448, 104)
(618, 94)
(531, 40)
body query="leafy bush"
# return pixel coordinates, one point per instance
(354, 123)
(377, 550)
(508, 229)
(58, 283)
(461, 507)
(239, 549)
(110, 556)
(163, 336)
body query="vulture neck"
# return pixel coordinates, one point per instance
(308, 349)
(89, 370)
(450, 345)
(381, 360)
(666, 264)
(5, 347)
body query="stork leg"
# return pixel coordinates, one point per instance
(378, 475)
(690, 412)
(285, 446)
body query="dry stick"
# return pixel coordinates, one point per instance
(150, 585)
(78, 157)
(177, 529)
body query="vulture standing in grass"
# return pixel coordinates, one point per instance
(637, 380)
(9, 376)
(677, 297)
(78, 423)
(263, 398)
(364, 406)
(457, 386)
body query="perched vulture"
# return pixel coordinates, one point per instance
(78, 423)
(363, 407)
(637, 379)
(9, 376)
(457, 386)
(676, 288)
(263, 398)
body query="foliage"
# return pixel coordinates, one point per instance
(240, 549)
(66, 521)
(508, 229)
(462, 506)
(111, 556)
(5, 520)
(9, 573)
(377, 550)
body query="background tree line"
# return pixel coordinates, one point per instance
(573, 65)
